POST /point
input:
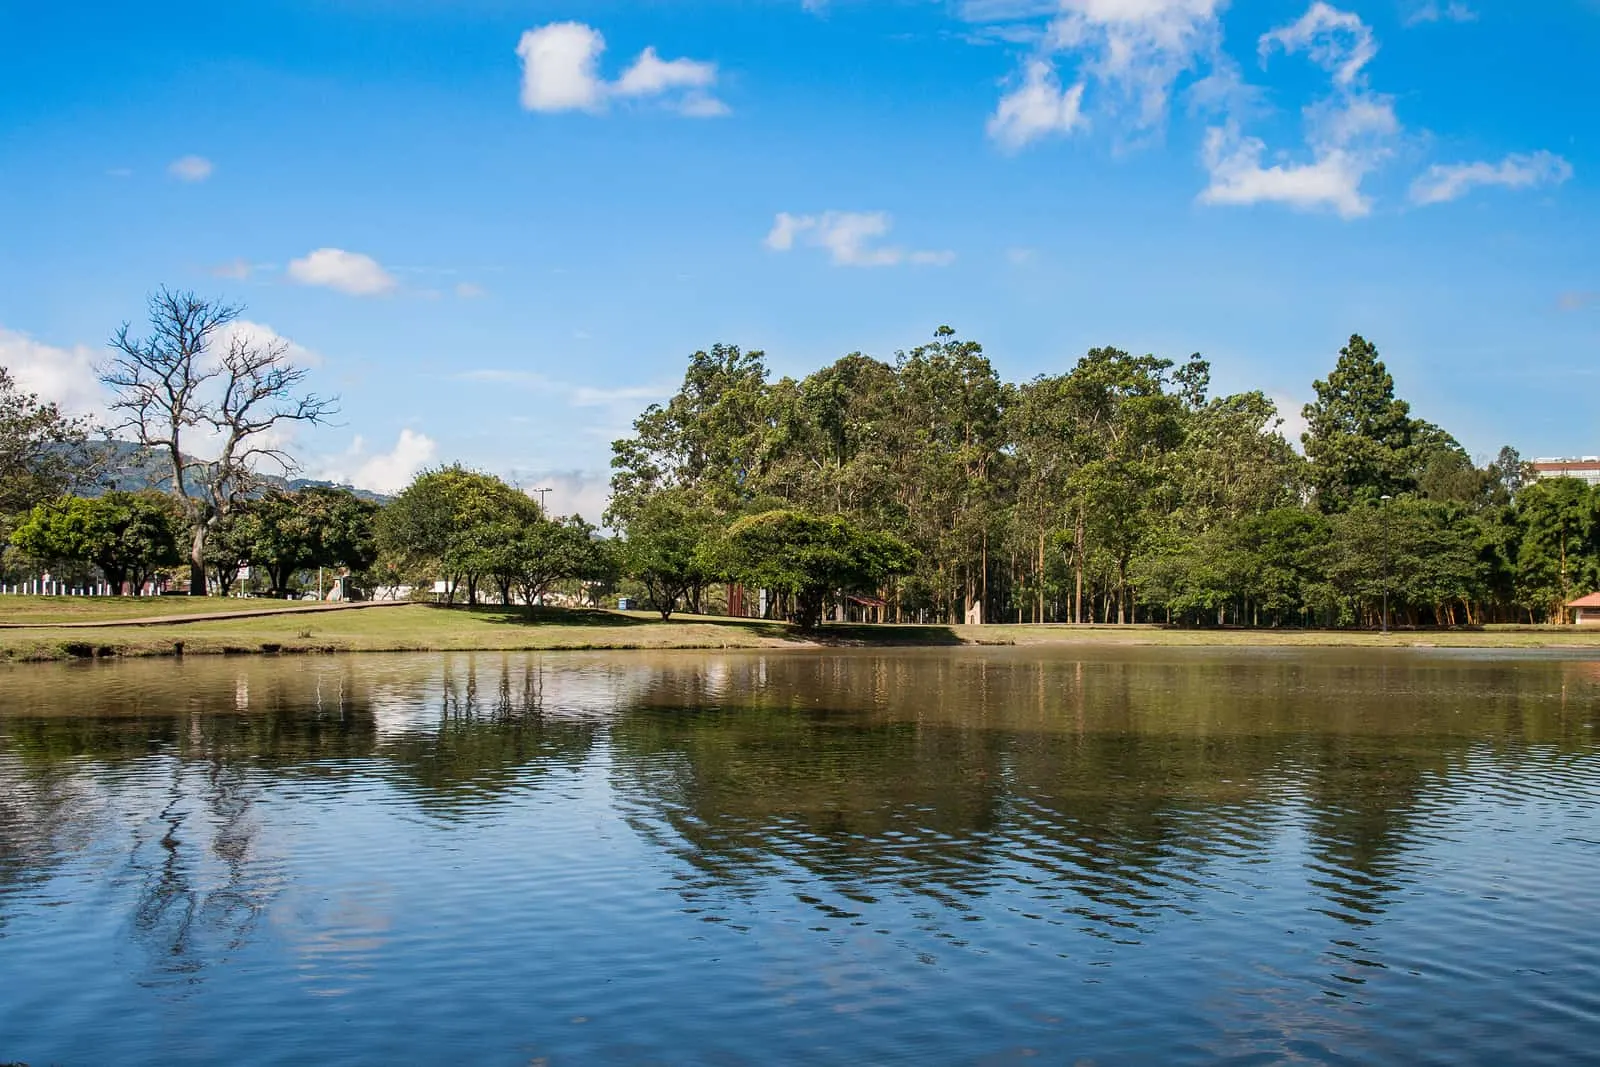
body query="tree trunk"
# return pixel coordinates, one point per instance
(197, 565)
(1040, 577)
(1077, 563)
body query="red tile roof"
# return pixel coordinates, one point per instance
(1590, 601)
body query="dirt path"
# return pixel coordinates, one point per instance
(210, 616)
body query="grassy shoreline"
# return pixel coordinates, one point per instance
(427, 628)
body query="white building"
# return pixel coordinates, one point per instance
(1585, 468)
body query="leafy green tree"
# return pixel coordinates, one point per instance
(708, 441)
(1132, 425)
(665, 549)
(810, 558)
(835, 441)
(554, 551)
(228, 549)
(950, 478)
(126, 535)
(1422, 555)
(1558, 552)
(286, 533)
(1359, 435)
(451, 519)
(43, 452)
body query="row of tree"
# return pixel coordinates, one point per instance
(1115, 491)
(130, 538)
(477, 531)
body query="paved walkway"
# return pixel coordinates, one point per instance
(210, 616)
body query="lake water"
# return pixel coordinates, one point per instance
(1087, 856)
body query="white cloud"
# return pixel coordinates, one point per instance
(850, 238)
(1331, 180)
(348, 272)
(382, 472)
(470, 290)
(1349, 134)
(1037, 108)
(191, 168)
(1338, 41)
(238, 270)
(1292, 414)
(572, 492)
(1433, 11)
(784, 230)
(651, 75)
(559, 68)
(1361, 118)
(1136, 50)
(585, 396)
(62, 376)
(702, 106)
(561, 72)
(1445, 182)
(578, 396)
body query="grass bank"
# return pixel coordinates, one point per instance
(40, 610)
(426, 628)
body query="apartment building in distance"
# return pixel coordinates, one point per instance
(1586, 468)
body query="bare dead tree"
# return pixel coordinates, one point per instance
(182, 378)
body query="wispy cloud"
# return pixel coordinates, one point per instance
(577, 396)
(1036, 108)
(191, 168)
(1349, 133)
(850, 238)
(1238, 177)
(237, 270)
(572, 492)
(346, 272)
(1433, 11)
(1445, 182)
(561, 72)
(1577, 300)
(63, 376)
(381, 471)
(1338, 41)
(1128, 54)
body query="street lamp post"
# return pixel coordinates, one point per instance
(1386, 498)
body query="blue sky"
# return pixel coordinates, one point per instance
(496, 229)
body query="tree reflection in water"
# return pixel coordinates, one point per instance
(1114, 792)
(1117, 791)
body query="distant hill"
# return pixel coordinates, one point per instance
(131, 467)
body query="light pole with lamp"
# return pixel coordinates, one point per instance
(1386, 498)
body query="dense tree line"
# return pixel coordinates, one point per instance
(1120, 490)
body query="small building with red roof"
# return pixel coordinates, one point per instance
(1586, 610)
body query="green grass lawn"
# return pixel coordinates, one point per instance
(423, 627)
(47, 609)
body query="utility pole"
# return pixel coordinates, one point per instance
(541, 493)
